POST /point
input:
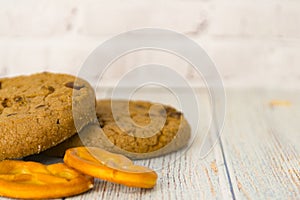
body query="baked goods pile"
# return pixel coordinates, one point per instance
(37, 113)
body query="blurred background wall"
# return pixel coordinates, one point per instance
(254, 43)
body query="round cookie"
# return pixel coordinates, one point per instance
(144, 130)
(36, 112)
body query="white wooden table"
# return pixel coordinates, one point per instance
(257, 156)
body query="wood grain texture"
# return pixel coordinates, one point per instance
(261, 144)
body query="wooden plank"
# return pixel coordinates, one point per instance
(261, 144)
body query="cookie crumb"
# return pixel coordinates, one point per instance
(284, 103)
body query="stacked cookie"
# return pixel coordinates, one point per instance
(37, 113)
